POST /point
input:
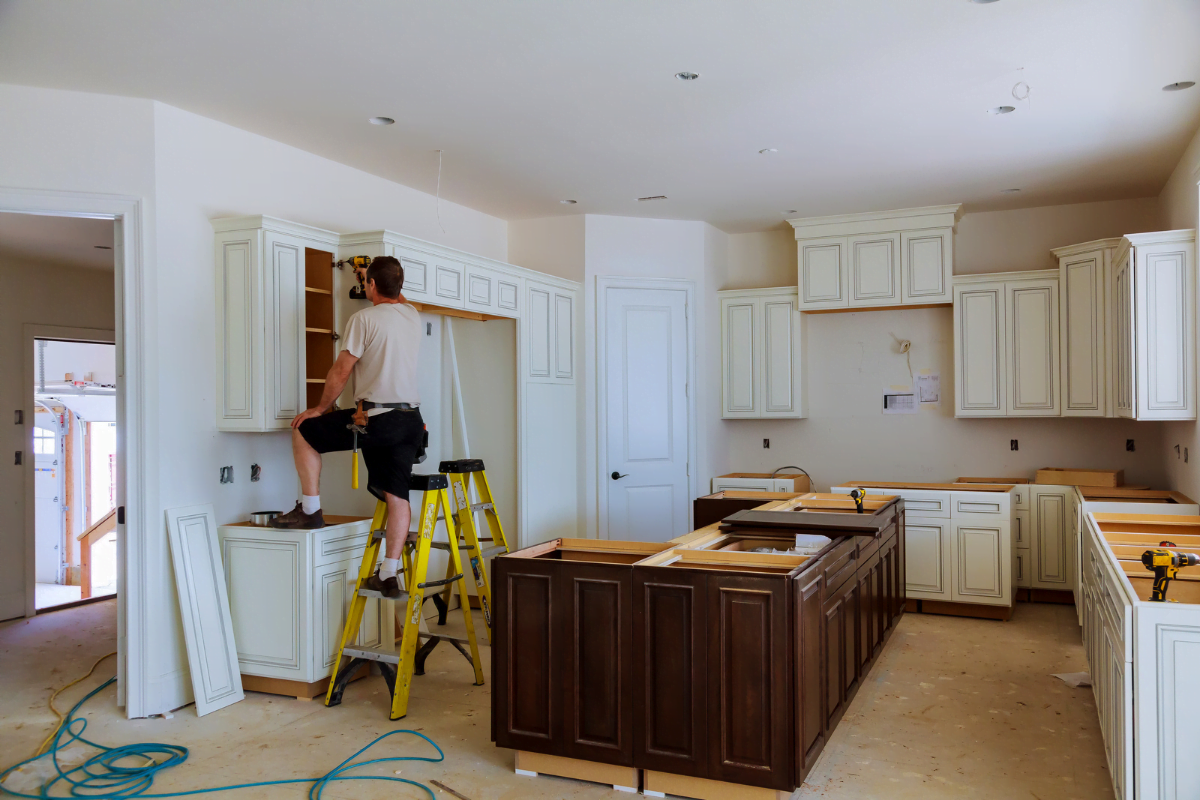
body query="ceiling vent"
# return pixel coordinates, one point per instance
(655, 197)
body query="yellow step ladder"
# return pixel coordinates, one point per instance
(399, 666)
(462, 474)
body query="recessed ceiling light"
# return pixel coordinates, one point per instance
(767, 150)
(568, 202)
(1009, 191)
(102, 247)
(983, 2)
(1001, 110)
(791, 211)
(687, 76)
(652, 197)
(381, 121)
(1178, 87)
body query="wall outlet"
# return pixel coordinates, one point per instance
(19, 417)
(17, 458)
(1129, 445)
(255, 473)
(1012, 444)
(766, 443)
(226, 474)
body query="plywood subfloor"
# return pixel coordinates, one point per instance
(954, 708)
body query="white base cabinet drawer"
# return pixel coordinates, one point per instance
(1021, 560)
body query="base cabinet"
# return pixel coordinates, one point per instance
(1051, 545)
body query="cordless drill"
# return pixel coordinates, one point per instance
(858, 495)
(1165, 565)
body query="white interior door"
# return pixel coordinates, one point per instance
(48, 499)
(645, 362)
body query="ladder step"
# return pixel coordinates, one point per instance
(400, 598)
(380, 653)
(487, 553)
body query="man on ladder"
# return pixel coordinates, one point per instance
(380, 348)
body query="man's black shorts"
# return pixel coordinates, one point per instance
(389, 446)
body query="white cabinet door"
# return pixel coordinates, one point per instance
(418, 274)
(1122, 327)
(738, 395)
(780, 361)
(1032, 348)
(268, 601)
(979, 350)
(481, 294)
(927, 557)
(564, 335)
(1051, 547)
(539, 313)
(1084, 373)
(1165, 331)
(449, 283)
(982, 565)
(824, 272)
(926, 264)
(240, 383)
(875, 269)
(283, 311)
(508, 296)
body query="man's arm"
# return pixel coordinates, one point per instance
(335, 381)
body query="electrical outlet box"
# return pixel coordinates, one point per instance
(766, 443)
(1012, 444)
(226, 474)
(1129, 445)
(19, 417)
(255, 473)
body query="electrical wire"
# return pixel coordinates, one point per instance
(61, 717)
(793, 466)
(438, 196)
(108, 774)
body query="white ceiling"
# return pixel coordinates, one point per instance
(871, 104)
(56, 241)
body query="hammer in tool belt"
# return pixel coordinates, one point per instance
(358, 424)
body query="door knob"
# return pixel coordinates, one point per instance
(616, 476)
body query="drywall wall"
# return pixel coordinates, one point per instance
(31, 293)
(1179, 204)
(553, 245)
(852, 357)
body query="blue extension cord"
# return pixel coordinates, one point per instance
(103, 776)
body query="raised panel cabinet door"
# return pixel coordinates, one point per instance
(240, 404)
(332, 602)
(527, 657)
(448, 283)
(1051, 547)
(1165, 331)
(670, 671)
(868, 601)
(1123, 335)
(1033, 335)
(982, 563)
(809, 641)
(875, 269)
(852, 603)
(481, 290)
(285, 327)
(1084, 373)
(834, 612)
(268, 604)
(738, 395)
(537, 324)
(508, 293)
(564, 335)
(927, 554)
(824, 273)
(597, 637)
(780, 361)
(750, 704)
(418, 274)
(979, 350)
(926, 264)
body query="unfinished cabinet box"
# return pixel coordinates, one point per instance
(274, 319)
(762, 354)
(795, 482)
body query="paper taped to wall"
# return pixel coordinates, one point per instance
(929, 388)
(904, 403)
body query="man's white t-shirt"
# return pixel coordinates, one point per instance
(386, 339)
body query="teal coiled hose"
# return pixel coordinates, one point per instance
(106, 775)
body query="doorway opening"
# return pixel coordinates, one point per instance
(74, 454)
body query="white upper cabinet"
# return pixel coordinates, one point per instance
(1006, 344)
(1085, 275)
(449, 283)
(550, 332)
(876, 260)
(761, 354)
(261, 319)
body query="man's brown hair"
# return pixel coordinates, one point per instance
(388, 276)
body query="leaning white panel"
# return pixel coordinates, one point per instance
(204, 606)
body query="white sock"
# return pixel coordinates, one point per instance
(388, 568)
(310, 503)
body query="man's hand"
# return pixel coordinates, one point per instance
(303, 415)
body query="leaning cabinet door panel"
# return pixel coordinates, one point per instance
(284, 323)
(927, 558)
(979, 350)
(737, 358)
(982, 563)
(597, 639)
(670, 671)
(528, 657)
(749, 689)
(1051, 546)
(1165, 331)
(1081, 283)
(875, 269)
(926, 261)
(239, 331)
(824, 271)
(779, 321)
(1033, 334)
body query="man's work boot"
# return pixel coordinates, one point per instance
(296, 518)
(388, 587)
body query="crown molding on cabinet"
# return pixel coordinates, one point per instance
(904, 219)
(1085, 247)
(1016, 275)
(227, 224)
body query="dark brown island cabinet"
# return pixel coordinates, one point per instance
(700, 662)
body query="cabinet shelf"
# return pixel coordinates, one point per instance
(317, 330)
(317, 291)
